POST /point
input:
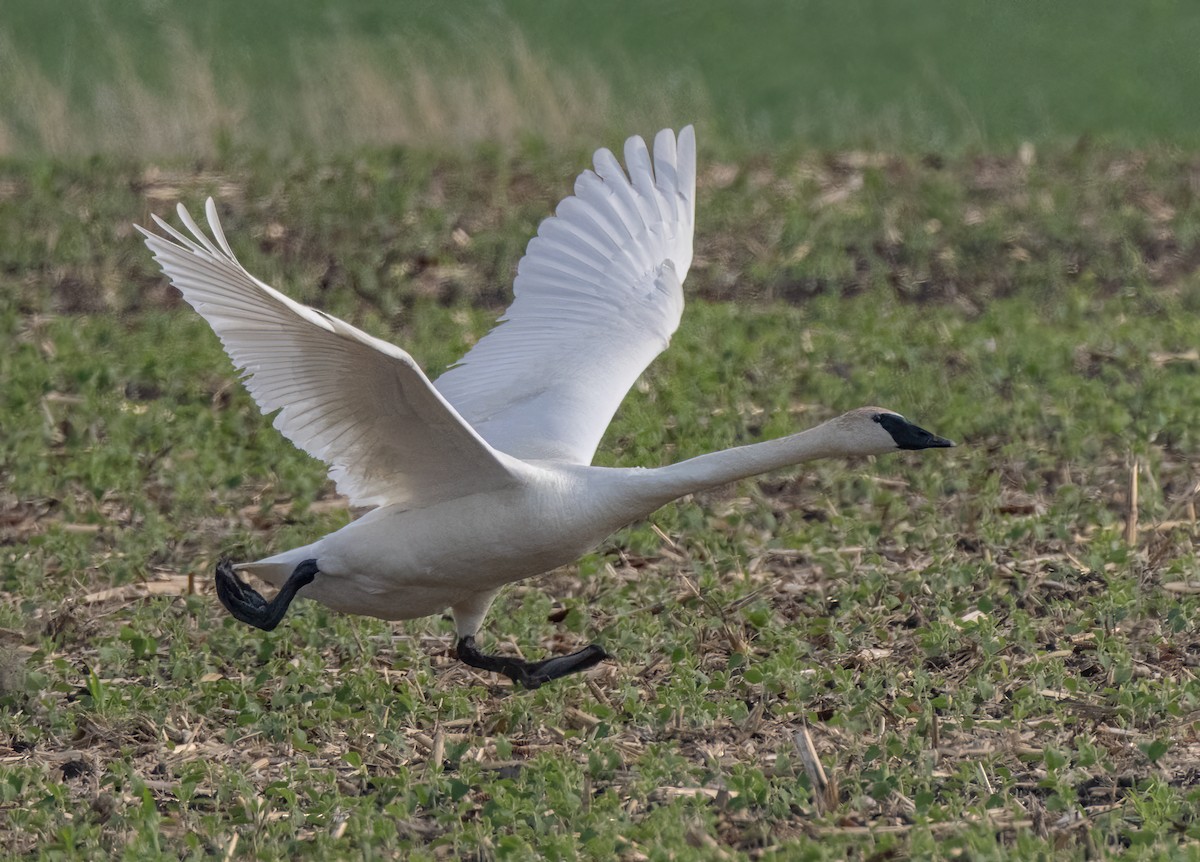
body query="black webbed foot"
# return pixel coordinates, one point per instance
(248, 605)
(531, 674)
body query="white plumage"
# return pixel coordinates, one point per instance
(483, 478)
(597, 296)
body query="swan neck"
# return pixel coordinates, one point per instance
(663, 484)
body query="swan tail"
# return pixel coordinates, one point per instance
(277, 569)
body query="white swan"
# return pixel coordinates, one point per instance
(484, 478)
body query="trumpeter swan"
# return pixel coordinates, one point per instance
(484, 477)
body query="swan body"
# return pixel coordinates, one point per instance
(403, 563)
(484, 477)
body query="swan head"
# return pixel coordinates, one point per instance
(876, 431)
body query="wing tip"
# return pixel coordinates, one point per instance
(686, 146)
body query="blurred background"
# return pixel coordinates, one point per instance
(162, 78)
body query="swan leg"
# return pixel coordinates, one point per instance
(248, 605)
(530, 674)
(468, 616)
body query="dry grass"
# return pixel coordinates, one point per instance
(351, 92)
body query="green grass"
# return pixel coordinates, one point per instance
(166, 78)
(990, 664)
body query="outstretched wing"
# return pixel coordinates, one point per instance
(356, 402)
(597, 297)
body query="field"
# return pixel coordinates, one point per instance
(991, 651)
(992, 648)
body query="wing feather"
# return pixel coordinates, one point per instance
(597, 296)
(358, 403)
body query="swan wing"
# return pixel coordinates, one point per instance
(597, 296)
(356, 402)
